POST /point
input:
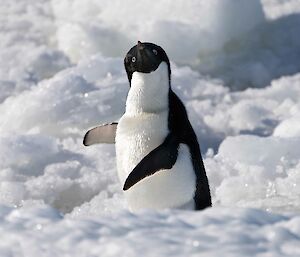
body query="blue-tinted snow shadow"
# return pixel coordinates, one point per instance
(269, 51)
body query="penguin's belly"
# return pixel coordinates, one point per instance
(136, 137)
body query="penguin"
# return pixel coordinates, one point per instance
(158, 155)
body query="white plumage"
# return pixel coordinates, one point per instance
(143, 127)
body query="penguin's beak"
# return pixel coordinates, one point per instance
(140, 45)
(140, 54)
(144, 56)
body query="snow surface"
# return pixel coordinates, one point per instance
(61, 73)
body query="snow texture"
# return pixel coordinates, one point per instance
(235, 65)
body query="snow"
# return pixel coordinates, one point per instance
(240, 42)
(208, 24)
(246, 232)
(235, 64)
(266, 180)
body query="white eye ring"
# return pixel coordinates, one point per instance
(133, 59)
(154, 51)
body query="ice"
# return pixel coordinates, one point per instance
(235, 65)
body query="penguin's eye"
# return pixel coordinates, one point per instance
(133, 59)
(154, 51)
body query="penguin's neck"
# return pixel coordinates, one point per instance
(149, 92)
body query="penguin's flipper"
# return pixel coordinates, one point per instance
(102, 134)
(162, 157)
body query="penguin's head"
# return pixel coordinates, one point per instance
(145, 57)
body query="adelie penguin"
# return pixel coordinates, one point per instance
(158, 156)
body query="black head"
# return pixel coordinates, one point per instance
(145, 57)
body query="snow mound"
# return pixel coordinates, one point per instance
(67, 102)
(262, 170)
(27, 50)
(277, 8)
(289, 127)
(195, 26)
(240, 42)
(253, 111)
(36, 170)
(169, 233)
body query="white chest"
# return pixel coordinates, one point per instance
(142, 128)
(173, 188)
(136, 137)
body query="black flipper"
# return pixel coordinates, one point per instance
(102, 134)
(180, 125)
(162, 157)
